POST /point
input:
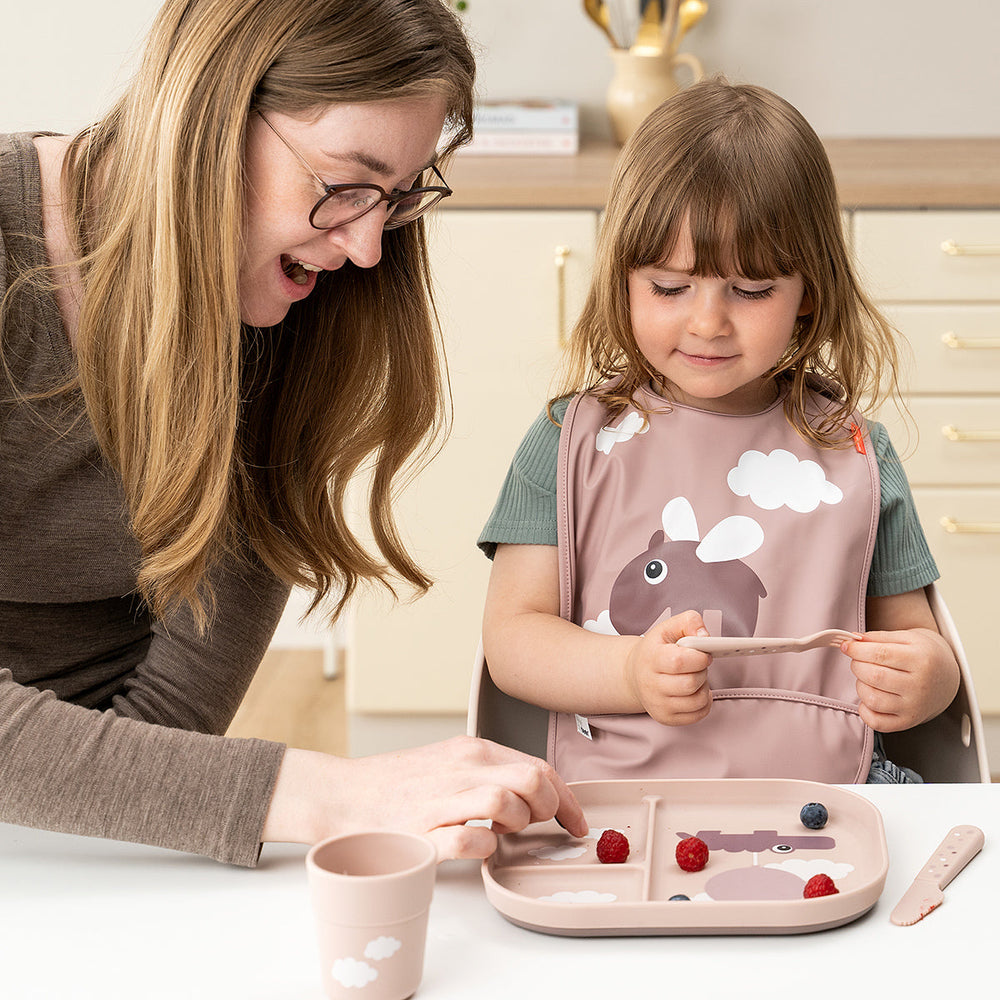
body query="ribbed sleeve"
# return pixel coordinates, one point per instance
(525, 511)
(902, 560)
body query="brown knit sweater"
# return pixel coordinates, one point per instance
(110, 720)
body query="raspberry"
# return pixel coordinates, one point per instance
(612, 848)
(692, 854)
(814, 815)
(819, 885)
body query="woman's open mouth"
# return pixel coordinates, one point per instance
(297, 270)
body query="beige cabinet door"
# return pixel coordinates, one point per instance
(504, 278)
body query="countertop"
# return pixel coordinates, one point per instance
(84, 919)
(870, 173)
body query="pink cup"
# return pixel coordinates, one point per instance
(371, 893)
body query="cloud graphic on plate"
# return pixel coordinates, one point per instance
(382, 947)
(632, 424)
(564, 853)
(806, 868)
(350, 972)
(601, 624)
(583, 896)
(780, 479)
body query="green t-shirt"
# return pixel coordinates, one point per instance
(525, 511)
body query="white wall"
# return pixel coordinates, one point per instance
(853, 67)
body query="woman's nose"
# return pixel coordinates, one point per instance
(361, 239)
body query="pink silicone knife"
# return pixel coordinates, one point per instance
(957, 849)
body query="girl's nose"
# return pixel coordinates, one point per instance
(708, 317)
(361, 239)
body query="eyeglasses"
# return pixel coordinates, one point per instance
(344, 203)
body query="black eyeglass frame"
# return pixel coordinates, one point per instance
(391, 198)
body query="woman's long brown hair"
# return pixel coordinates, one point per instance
(231, 440)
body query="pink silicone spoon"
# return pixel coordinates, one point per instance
(755, 645)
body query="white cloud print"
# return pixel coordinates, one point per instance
(382, 947)
(583, 896)
(806, 868)
(601, 624)
(564, 853)
(631, 424)
(780, 479)
(350, 972)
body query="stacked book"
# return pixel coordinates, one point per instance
(540, 128)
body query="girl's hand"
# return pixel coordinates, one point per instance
(904, 677)
(670, 682)
(432, 790)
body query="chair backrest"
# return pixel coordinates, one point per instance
(950, 748)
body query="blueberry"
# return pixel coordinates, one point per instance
(814, 815)
(680, 895)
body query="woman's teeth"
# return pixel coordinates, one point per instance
(297, 270)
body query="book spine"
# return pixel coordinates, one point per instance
(512, 116)
(524, 142)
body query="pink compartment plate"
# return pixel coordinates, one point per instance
(760, 858)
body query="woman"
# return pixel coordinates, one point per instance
(216, 310)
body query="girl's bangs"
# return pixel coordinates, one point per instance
(731, 233)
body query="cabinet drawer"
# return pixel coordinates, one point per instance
(968, 562)
(900, 255)
(953, 348)
(956, 440)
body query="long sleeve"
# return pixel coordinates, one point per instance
(110, 721)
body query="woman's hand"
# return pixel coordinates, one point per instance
(433, 790)
(668, 681)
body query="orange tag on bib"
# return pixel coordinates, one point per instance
(859, 439)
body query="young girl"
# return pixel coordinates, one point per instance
(712, 474)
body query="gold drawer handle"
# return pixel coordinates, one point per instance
(954, 434)
(561, 253)
(954, 527)
(969, 344)
(954, 249)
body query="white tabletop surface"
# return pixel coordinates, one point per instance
(83, 919)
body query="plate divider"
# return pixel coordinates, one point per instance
(652, 805)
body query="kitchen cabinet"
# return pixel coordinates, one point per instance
(511, 283)
(936, 274)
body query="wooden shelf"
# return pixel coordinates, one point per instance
(871, 173)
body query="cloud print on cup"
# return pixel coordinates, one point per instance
(631, 424)
(349, 972)
(779, 479)
(382, 947)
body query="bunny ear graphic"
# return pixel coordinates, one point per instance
(732, 538)
(679, 522)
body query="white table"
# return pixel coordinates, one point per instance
(84, 919)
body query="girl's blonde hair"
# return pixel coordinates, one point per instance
(751, 177)
(237, 440)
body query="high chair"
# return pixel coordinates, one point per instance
(950, 748)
